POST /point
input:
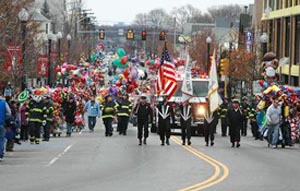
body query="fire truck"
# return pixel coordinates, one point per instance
(198, 103)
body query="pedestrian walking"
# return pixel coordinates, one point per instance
(235, 122)
(223, 116)
(210, 124)
(24, 122)
(93, 111)
(49, 112)
(5, 113)
(274, 117)
(186, 122)
(164, 114)
(69, 113)
(123, 113)
(36, 114)
(245, 109)
(109, 109)
(143, 112)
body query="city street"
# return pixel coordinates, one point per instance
(91, 161)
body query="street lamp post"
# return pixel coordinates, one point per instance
(264, 42)
(50, 36)
(59, 37)
(23, 16)
(69, 38)
(208, 41)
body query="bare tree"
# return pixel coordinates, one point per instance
(141, 19)
(225, 10)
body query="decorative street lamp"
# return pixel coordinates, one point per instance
(59, 37)
(23, 16)
(50, 37)
(208, 41)
(69, 38)
(264, 39)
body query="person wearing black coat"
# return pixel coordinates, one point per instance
(210, 124)
(186, 122)
(69, 113)
(164, 114)
(235, 122)
(143, 112)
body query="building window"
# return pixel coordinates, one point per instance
(265, 4)
(297, 40)
(285, 79)
(294, 81)
(286, 3)
(278, 40)
(290, 3)
(272, 5)
(287, 36)
(277, 4)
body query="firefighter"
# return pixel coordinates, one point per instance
(49, 111)
(123, 113)
(186, 122)
(36, 114)
(109, 109)
(223, 116)
(245, 108)
(143, 112)
(164, 113)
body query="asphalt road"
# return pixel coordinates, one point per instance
(90, 161)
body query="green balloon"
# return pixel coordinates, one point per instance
(121, 52)
(117, 63)
(151, 62)
(23, 96)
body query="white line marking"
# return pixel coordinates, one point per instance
(59, 156)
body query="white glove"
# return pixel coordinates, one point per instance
(44, 123)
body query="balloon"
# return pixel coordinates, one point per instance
(152, 62)
(58, 69)
(126, 73)
(121, 52)
(65, 65)
(117, 62)
(124, 60)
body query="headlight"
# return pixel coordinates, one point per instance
(201, 110)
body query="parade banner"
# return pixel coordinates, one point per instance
(187, 84)
(13, 59)
(213, 96)
(42, 65)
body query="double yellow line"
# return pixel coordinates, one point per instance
(220, 174)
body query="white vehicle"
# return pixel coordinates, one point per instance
(198, 103)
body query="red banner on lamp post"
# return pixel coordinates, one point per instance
(14, 59)
(42, 65)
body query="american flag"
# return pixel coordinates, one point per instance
(166, 81)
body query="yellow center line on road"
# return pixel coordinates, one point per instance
(218, 176)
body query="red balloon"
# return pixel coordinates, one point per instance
(58, 69)
(118, 83)
(124, 60)
(126, 73)
(135, 84)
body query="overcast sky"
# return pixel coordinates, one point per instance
(125, 10)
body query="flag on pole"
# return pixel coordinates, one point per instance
(166, 80)
(187, 84)
(213, 96)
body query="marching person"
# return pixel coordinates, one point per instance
(223, 115)
(143, 112)
(108, 113)
(5, 114)
(49, 112)
(123, 113)
(164, 114)
(245, 108)
(186, 122)
(210, 124)
(69, 113)
(93, 111)
(235, 122)
(36, 114)
(274, 117)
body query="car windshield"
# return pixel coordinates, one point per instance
(200, 89)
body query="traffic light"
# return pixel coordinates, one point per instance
(130, 34)
(144, 35)
(102, 34)
(224, 67)
(162, 35)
